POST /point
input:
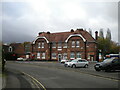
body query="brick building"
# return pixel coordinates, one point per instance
(64, 45)
(20, 49)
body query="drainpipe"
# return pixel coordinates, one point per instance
(97, 51)
(50, 50)
(85, 43)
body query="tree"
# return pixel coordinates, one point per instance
(90, 31)
(107, 46)
(101, 35)
(108, 35)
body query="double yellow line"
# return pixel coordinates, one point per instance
(35, 81)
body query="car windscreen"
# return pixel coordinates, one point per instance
(74, 60)
(108, 60)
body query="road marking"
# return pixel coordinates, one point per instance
(35, 84)
(35, 80)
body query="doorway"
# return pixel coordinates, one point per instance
(59, 57)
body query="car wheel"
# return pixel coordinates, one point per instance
(86, 66)
(108, 69)
(98, 69)
(65, 65)
(73, 66)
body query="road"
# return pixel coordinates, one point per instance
(55, 75)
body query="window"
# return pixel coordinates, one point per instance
(39, 45)
(65, 45)
(38, 55)
(43, 55)
(65, 56)
(59, 45)
(73, 43)
(77, 43)
(42, 44)
(53, 55)
(78, 55)
(72, 55)
(54, 45)
(88, 56)
(10, 49)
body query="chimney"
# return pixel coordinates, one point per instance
(80, 29)
(72, 30)
(96, 35)
(48, 32)
(39, 33)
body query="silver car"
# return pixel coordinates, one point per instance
(77, 63)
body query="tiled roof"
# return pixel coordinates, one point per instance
(62, 36)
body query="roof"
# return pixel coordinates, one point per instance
(63, 36)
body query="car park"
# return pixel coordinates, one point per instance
(77, 63)
(108, 64)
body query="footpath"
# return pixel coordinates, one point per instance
(15, 80)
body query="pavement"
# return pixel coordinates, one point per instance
(16, 80)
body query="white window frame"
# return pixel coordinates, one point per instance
(39, 44)
(43, 55)
(72, 53)
(38, 55)
(77, 55)
(65, 56)
(73, 44)
(65, 45)
(10, 49)
(59, 44)
(54, 45)
(43, 45)
(53, 55)
(77, 43)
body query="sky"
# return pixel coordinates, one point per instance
(23, 20)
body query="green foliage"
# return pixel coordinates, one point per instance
(108, 35)
(107, 46)
(101, 34)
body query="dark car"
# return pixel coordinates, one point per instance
(108, 65)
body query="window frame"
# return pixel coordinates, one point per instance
(59, 44)
(43, 55)
(54, 56)
(77, 55)
(73, 44)
(72, 55)
(77, 44)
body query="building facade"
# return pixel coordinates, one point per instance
(21, 49)
(64, 45)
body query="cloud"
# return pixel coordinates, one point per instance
(23, 20)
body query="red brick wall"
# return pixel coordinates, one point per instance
(90, 49)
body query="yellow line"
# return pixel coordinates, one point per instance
(35, 84)
(35, 80)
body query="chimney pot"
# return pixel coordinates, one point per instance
(72, 30)
(96, 35)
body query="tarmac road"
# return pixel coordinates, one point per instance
(52, 77)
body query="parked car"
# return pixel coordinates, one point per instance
(63, 61)
(77, 63)
(108, 64)
(21, 59)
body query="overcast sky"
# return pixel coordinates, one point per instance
(22, 21)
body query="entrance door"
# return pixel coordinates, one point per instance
(92, 58)
(59, 57)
